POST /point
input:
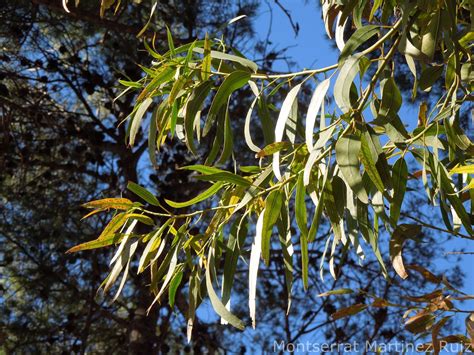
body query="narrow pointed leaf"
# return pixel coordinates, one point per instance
(343, 84)
(399, 236)
(231, 83)
(347, 152)
(313, 110)
(137, 119)
(216, 302)
(253, 266)
(273, 205)
(201, 197)
(399, 177)
(281, 124)
(359, 37)
(143, 193)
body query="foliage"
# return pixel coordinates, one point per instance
(352, 168)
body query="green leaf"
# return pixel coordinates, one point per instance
(201, 197)
(273, 148)
(176, 89)
(137, 119)
(170, 263)
(238, 232)
(132, 84)
(399, 236)
(206, 62)
(250, 169)
(374, 9)
(399, 182)
(456, 136)
(300, 206)
(429, 76)
(284, 231)
(152, 11)
(152, 133)
(247, 135)
(170, 42)
(254, 263)
(215, 301)
(445, 184)
(343, 84)
(174, 118)
(228, 137)
(174, 284)
(267, 123)
(252, 191)
(430, 37)
(150, 50)
(225, 176)
(193, 107)
(154, 243)
(359, 37)
(203, 169)
(273, 204)
(313, 230)
(231, 83)
(142, 218)
(359, 12)
(468, 169)
(391, 100)
(368, 153)
(143, 193)
(369, 234)
(162, 75)
(301, 220)
(347, 152)
(194, 298)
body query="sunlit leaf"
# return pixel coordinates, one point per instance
(281, 124)
(215, 301)
(98, 243)
(347, 152)
(225, 176)
(201, 197)
(137, 119)
(143, 193)
(313, 110)
(234, 81)
(359, 37)
(253, 266)
(106, 203)
(273, 148)
(343, 84)
(174, 287)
